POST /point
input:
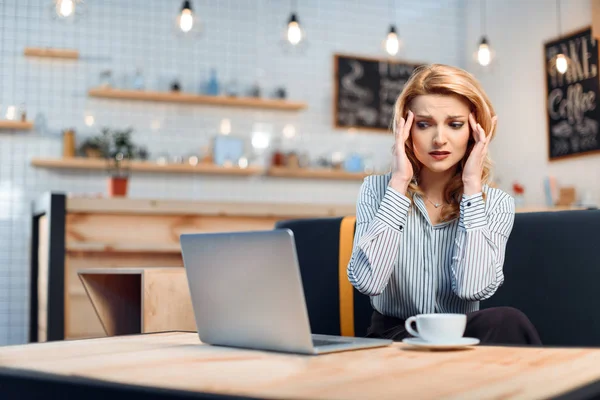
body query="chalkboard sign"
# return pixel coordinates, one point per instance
(572, 98)
(366, 90)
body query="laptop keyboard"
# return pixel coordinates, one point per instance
(326, 342)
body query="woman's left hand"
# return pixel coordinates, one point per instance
(474, 167)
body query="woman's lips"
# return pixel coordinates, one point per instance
(439, 155)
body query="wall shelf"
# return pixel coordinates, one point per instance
(143, 166)
(17, 125)
(203, 169)
(315, 173)
(189, 98)
(51, 53)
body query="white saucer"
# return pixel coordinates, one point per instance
(456, 344)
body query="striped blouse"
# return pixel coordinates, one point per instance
(409, 266)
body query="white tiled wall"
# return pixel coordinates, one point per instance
(241, 38)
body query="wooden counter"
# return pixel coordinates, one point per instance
(180, 364)
(70, 234)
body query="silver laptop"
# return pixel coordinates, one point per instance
(247, 292)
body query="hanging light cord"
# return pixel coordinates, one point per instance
(558, 17)
(483, 27)
(392, 11)
(294, 6)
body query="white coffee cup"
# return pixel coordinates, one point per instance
(437, 327)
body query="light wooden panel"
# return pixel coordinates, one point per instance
(188, 98)
(143, 166)
(81, 320)
(180, 361)
(95, 231)
(51, 53)
(16, 125)
(42, 284)
(167, 303)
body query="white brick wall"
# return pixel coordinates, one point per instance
(240, 38)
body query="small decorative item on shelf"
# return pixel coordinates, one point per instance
(255, 90)
(68, 143)
(142, 153)
(277, 156)
(138, 80)
(279, 93)
(207, 154)
(293, 160)
(175, 86)
(162, 159)
(354, 163)
(192, 159)
(519, 192)
(23, 112)
(336, 160)
(212, 86)
(323, 162)
(304, 160)
(106, 80)
(567, 196)
(227, 150)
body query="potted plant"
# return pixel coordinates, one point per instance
(119, 150)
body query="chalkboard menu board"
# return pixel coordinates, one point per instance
(366, 90)
(572, 98)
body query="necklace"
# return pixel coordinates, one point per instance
(436, 205)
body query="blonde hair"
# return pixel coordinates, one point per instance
(447, 80)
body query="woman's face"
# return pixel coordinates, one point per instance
(440, 131)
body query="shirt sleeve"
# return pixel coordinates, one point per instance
(480, 244)
(379, 226)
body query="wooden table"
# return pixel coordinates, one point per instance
(178, 361)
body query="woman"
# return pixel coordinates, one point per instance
(431, 234)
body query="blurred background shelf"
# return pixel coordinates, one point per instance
(51, 53)
(19, 125)
(188, 98)
(143, 166)
(310, 173)
(207, 169)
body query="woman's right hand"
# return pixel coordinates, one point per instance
(402, 170)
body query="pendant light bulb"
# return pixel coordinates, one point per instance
(484, 55)
(392, 43)
(65, 8)
(294, 33)
(561, 63)
(186, 18)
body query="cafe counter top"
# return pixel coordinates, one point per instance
(197, 207)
